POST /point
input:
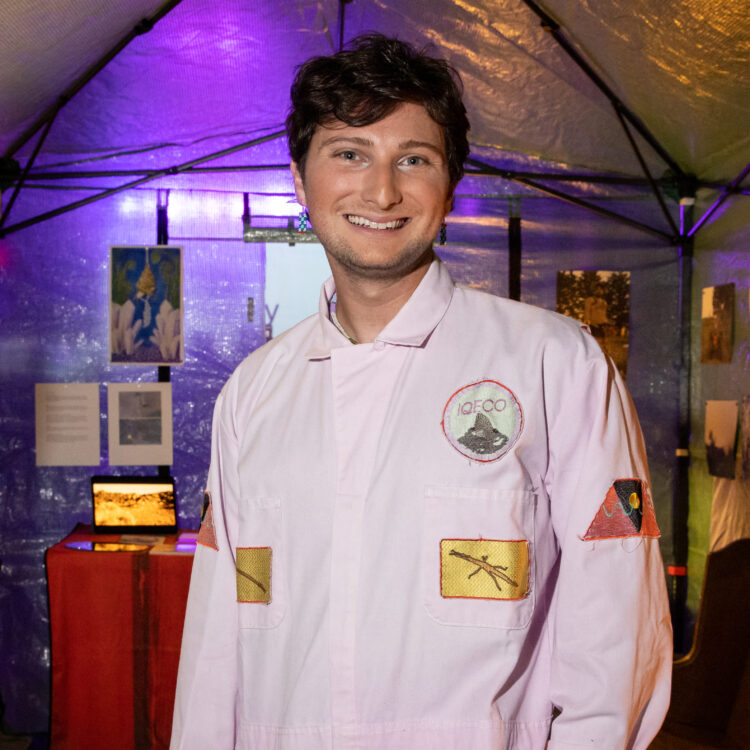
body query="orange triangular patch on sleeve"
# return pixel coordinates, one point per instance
(626, 511)
(207, 534)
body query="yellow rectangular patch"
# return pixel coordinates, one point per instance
(253, 566)
(484, 569)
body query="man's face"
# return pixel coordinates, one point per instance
(377, 194)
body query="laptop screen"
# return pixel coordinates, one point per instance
(134, 505)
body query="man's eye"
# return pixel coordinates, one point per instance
(348, 155)
(414, 161)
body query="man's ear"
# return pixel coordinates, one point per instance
(299, 187)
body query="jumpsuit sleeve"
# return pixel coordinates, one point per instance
(609, 625)
(204, 712)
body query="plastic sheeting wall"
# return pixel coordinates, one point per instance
(54, 314)
(53, 311)
(722, 257)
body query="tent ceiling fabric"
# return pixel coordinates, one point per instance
(208, 69)
(45, 46)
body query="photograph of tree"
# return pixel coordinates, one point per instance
(720, 437)
(139, 424)
(601, 300)
(717, 308)
(745, 429)
(140, 417)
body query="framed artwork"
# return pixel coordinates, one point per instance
(717, 313)
(720, 437)
(139, 424)
(745, 427)
(67, 424)
(601, 300)
(145, 304)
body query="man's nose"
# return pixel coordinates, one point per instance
(381, 186)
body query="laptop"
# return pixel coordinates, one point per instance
(134, 505)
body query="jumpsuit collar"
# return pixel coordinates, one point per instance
(411, 326)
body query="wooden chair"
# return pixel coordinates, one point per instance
(710, 705)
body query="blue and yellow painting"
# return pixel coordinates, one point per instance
(146, 305)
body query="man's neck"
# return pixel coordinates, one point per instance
(365, 306)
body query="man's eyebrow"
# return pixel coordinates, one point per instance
(359, 141)
(422, 144)
(344, 139)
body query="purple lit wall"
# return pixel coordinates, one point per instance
(53, 308)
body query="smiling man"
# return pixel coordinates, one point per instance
(429, 523)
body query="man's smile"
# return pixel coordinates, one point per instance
(361, 221)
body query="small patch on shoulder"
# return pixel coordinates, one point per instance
(207, 534)
(626, 511)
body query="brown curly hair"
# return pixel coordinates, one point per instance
(365, 83)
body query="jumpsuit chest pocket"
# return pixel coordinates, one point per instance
(259, 564)
(477, 565)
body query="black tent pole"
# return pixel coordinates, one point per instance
(26, 170)
(644, 167)
(342, 13)
(514, 250)
(594, 179)
(153, 176)
(729, 190)
(551, 26)
(510, 175)
(680, 500)
(162, 238)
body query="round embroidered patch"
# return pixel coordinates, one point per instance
(483, 420)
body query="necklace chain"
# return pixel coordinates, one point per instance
(336, 322)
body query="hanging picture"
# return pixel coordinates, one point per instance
(139, 424)
(601, 300)
(717, 308)
(67, 424)
(145, 300)
(720, 436)
(745, 431)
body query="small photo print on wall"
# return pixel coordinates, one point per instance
(717, 308)
(140, 424)
(145, 302)
(601, 300)
(720, 437)
(745, 431)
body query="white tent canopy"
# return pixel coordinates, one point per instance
(682, 67)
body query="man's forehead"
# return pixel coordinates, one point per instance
(407, 126)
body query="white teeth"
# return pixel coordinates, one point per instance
(362, 222)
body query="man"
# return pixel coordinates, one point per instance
(430, 523)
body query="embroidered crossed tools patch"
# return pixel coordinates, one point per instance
(484, 569)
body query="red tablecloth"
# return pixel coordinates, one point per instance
(116, 622)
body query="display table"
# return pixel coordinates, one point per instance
(116, 625)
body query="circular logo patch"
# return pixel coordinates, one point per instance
(483, 420)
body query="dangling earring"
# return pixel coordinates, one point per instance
(443, 233)
(304, 218)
